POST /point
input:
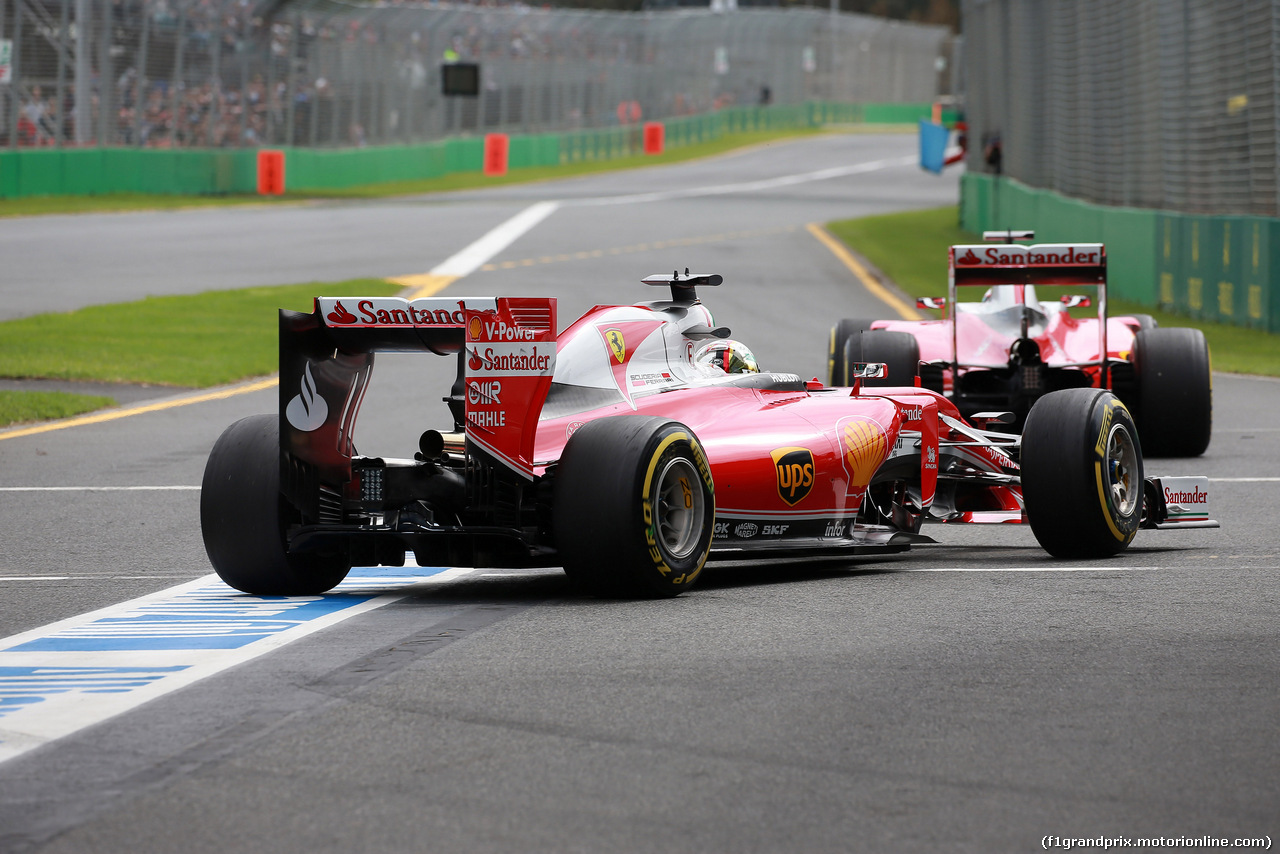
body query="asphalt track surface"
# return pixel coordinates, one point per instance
(973, 695)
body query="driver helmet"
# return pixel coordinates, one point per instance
(729, 356)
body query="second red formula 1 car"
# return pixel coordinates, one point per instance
(633, 446)
(1000, 345)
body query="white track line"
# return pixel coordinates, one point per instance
(748, 186)
(470, 259)
(99, 489)
(63, 677)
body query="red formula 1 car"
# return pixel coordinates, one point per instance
(1010, 347)
(634, 445)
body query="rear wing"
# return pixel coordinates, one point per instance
(1039, 264)
(1050, 264)
(326, 359)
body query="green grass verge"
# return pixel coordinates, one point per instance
(18, 407)
(911, 249)
(457, 181)
(194, 341)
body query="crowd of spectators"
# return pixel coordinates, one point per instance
(209, 74)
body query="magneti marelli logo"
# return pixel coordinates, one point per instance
(307, 411)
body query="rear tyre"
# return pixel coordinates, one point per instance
(243, 517)
(1082, 478)
(634, 507)
(840, 335)
(1145, 321)
(898, 350)
(1174, 391)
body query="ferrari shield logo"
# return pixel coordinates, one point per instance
(794, 468)
(617, 344)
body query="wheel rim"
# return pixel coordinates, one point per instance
(1122, 470)
(680, 508)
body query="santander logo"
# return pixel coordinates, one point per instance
(967, 258)
(307, 410)
(341, 315)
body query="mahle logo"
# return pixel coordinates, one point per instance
(794, 467)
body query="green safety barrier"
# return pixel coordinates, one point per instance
(101, 171)
(1217, 268)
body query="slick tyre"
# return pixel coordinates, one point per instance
(840, 335)
(1174, 391)
(1082, 480)
(634, 507)
(1145, 321)
(243, 517)
(898, 350)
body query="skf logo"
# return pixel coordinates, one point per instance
(617, 344)
(795, 473)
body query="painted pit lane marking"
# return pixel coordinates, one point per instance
(71, 674)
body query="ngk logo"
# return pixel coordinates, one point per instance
(484, 392)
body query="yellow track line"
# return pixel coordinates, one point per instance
(115, 414)
(905, 311)
(423, 284)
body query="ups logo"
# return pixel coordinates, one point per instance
(794, 467)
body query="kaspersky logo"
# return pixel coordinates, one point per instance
(307, 410)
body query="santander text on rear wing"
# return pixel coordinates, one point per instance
(1040, 264)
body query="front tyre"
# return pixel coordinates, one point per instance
(634, 507)
(243, 517)
(1082, 478)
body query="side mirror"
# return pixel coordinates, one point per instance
(931, 302)
(1076, 300)
(869, 370)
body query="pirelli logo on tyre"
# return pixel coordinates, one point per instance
(794, 470)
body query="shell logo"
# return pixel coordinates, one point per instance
(474, 328)
(865, 446)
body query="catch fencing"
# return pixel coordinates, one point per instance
(1150, 125)
(235, 73)
(1170, 104)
